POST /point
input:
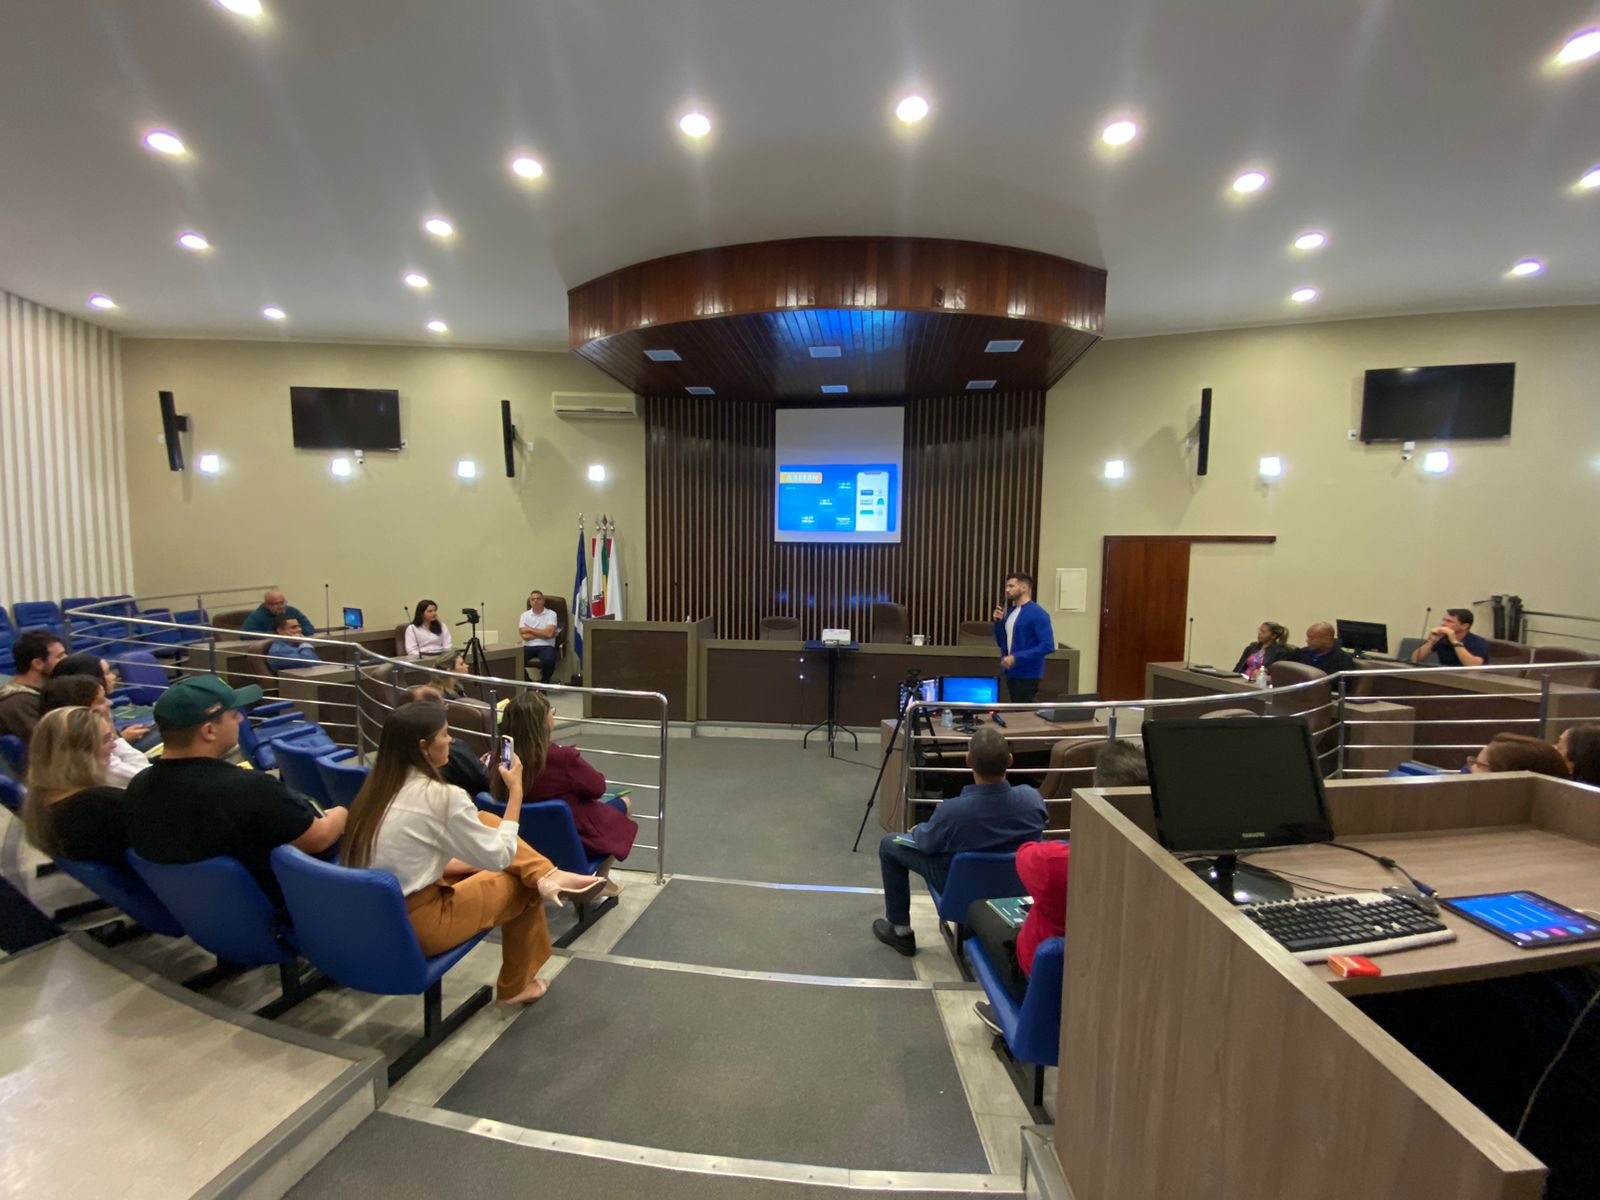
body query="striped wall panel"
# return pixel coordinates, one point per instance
(64, 491)
(973, 471)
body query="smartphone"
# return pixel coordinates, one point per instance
(505, 752)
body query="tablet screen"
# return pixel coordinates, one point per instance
(1526, 919)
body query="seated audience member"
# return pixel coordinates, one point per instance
(70, 812)
(94, 667)
(84, 691)
(192, 804)
(1322, 651)
(463, 769)
(462, 871)
(286, 655)
(1271, 644)
(427, 634)
(989, 814)
(1042, 867)
(538, 628)
(1519, 752)
(33, 656)
(451, 685)
(1580, 747)
(264, 620)
(559, 773)
(1453, 643)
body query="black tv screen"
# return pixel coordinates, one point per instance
(345, 418)
(1414, 404)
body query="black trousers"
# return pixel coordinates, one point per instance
(546, 658)
(999, 942)
(1021, 691)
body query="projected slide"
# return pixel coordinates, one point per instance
(838, 498)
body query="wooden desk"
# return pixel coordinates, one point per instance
(327, 696)
(1200, 1059)
(644, 656)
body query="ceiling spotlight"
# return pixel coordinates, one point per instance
(1528, 266)
(101, 301)
(339, 468)
(1436, 462)
(438, 326)
(1250, 181)
(163, 142)
(273, 313)
(1578, 47)
(466, 469)
(1271, 467)
(1591, 180)
(597, 473)
(193, 241)
(528, 168)
(1311, 240)
(1116, 469)
(415, 279)
(1303, 295)
(1119, 133)
(243, 8)
(439, 227)
(208, 464)
(695, 124)
(911, 110)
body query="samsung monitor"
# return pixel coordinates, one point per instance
(1232, 785)
(352, 618)
(345, 418)
(969, 689)
(1416, 404)
(1363, 636)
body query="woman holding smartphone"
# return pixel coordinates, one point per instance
(463, 872)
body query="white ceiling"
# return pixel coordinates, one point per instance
(1427, 137)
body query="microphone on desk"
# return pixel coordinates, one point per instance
(327, 610)
(1188, 646)
(1427, 623)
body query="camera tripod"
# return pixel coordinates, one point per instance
(909, 687)
(477, 664)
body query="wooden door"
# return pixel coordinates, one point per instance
(1144, 599)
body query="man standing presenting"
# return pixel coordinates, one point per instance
(273, 609)
(1025, 637)
(1453, 643)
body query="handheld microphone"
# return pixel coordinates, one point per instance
(1189, 646)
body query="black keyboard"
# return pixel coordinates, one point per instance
(1317, 927)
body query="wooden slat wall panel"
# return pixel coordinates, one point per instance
(973, 474)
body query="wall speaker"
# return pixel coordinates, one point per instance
(171, 426)
(508, 435)
(1203, 459)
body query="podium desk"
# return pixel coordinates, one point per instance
(643, 656)
(1200, 1059)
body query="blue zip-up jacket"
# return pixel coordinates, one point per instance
(1032, 639)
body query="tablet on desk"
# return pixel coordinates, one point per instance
(1526, 919)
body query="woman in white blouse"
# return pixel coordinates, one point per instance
(427, 634)
(463, 872)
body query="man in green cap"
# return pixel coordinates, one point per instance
(192, 804)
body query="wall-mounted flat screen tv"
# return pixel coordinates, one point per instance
(345, 418)
(1417, 404)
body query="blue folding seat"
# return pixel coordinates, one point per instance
(5, 621)
(119, 887)
(341, 777)
(143, 678)
(41, 614)
(974, 875)
(297, 765)
(352, 925)
(548, 827)
(257, 739)
(1031, 1030)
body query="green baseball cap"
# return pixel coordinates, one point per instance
(197, 699)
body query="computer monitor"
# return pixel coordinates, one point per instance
(969, 689)
(352, 618)
(1360, 636)
(1232, 785)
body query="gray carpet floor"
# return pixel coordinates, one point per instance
(390, 1158)
(842, 1077)
(764, 929)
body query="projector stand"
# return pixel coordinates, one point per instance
(831, 721)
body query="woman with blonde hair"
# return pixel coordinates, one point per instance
(70, 812)
(462, 872)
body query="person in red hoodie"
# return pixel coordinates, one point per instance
(1042, 868)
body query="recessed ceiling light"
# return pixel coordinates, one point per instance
(437, 326)
(701, 391)
(663, 356)
(1003, 346)
(1250, 181)
(1119, 133)
(1270, 467)
(825, 351)
(1436, 462)
(165, 142)
(695, 124)
(597, 472)
(1578, 47)
(439, 227)
(1591, 180)
(980, 385)
(528, 168)
(339, 468)
(101, 301)
(1528, 266)
(1311, 239)
(1303, 295)
(415, 279)
(208, 464)
(911, 110)
(835, 389)
(273, 313)
(193, 241)
(243, 8)
(466, 469)
(1116, 469)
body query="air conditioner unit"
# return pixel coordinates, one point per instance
(584, 406)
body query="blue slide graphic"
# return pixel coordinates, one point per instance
(838, 498)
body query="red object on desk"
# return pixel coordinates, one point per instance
(1353, 964)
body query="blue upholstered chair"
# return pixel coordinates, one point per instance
(6, 624)
(341, 777)
(1415, 768)
(143, 678)
(257, 739)
(221, 906)
(1031, 1030)
(10, 789)
(14, 757)
(352, 925)
(119, 887)
(297, 764)
(39, 614)
(974, 875)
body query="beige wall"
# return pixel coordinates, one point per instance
(1360, 534)
(402, 526)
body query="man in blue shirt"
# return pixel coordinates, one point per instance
(1453, 643)
(274, 608)
(1322, 651)
(989, 814)
(1023, 631)
(286, 655)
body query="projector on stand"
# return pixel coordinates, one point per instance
(835, 637)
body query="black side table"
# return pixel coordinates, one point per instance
(831, 721)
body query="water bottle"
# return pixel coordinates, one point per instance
(948, 720)
(1262, 679)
